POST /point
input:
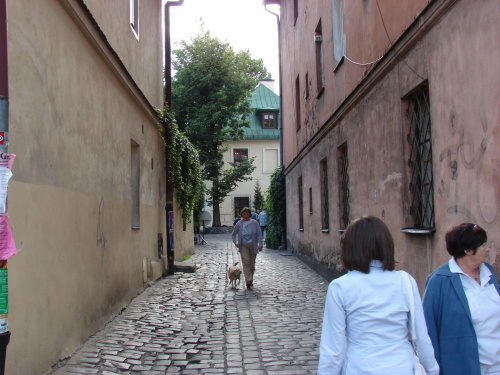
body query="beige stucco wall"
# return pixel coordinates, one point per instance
(73, 117)
(142, 56)
(456, 56)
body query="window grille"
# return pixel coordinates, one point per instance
(420, 160)
(343, 165)
(325, 217)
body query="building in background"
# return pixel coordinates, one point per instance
(87, 196)
(260, 140)
(390, 108)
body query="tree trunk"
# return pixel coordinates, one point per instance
(216, 216)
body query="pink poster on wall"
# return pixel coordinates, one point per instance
(7, 244)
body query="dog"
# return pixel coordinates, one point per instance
(234, 274)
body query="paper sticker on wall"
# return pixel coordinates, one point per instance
(7, 244)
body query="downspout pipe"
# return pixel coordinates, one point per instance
(284, 240)
(169, 206)
(4, 147)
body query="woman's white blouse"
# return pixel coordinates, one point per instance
(484, 306)
(365, 326)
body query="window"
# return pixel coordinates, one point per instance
(297, 101)
(239, 204)
(301, 205)
(134, 16)
(320, 71)
(295, 11)
(306, 95)
(325, 217)
(270, 160)
(420, 159)
(134, 185)
(343, 175)
(268, 120)
(240, 154)
(310, 201)
(338, 29)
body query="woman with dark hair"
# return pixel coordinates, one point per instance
(462, 306)
(247, 237)
(366, 321)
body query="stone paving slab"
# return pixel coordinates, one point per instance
(194, 323)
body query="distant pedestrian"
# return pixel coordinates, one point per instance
(366, 320)
(262, 219)
(462, 306)
(253, 214)
(248, 239)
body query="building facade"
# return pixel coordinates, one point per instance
(87, 196)
(390, 108)
(260, 140)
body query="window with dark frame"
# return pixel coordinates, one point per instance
(240, 154)
(268, 120)
(320, 71)
(343, 175)
(325, 216)
(135, 181)
(307, 86)
(301, 205)
(295, 11)
(297, 101)
(420, 159)
(239, 204)
(310, 201)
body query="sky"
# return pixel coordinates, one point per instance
(244, 24)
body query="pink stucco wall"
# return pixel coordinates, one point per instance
(452, 46)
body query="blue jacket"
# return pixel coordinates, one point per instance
(449, 322)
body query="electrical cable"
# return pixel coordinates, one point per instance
(390, 42)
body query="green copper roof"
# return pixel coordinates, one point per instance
(263, 99)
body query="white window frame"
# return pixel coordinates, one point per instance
(264, 158)
(134, 18)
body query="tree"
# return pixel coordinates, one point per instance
(258, 197)
(276, 210)
(211, 93)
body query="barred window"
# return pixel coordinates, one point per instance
(420, 160)
(343, 175)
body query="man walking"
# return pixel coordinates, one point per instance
(262, 219)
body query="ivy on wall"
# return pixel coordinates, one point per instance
(183, 166)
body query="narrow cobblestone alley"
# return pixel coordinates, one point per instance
(194, 323)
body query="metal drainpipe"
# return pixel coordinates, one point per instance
(168, 102)
(4, 148)
(283, 241)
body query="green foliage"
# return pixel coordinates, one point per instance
(186, 257)
(276, 209)
(211, 94)
(258, 197)
(183, 166)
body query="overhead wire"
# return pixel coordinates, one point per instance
(390, 42)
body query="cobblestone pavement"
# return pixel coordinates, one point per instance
(194, 323)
